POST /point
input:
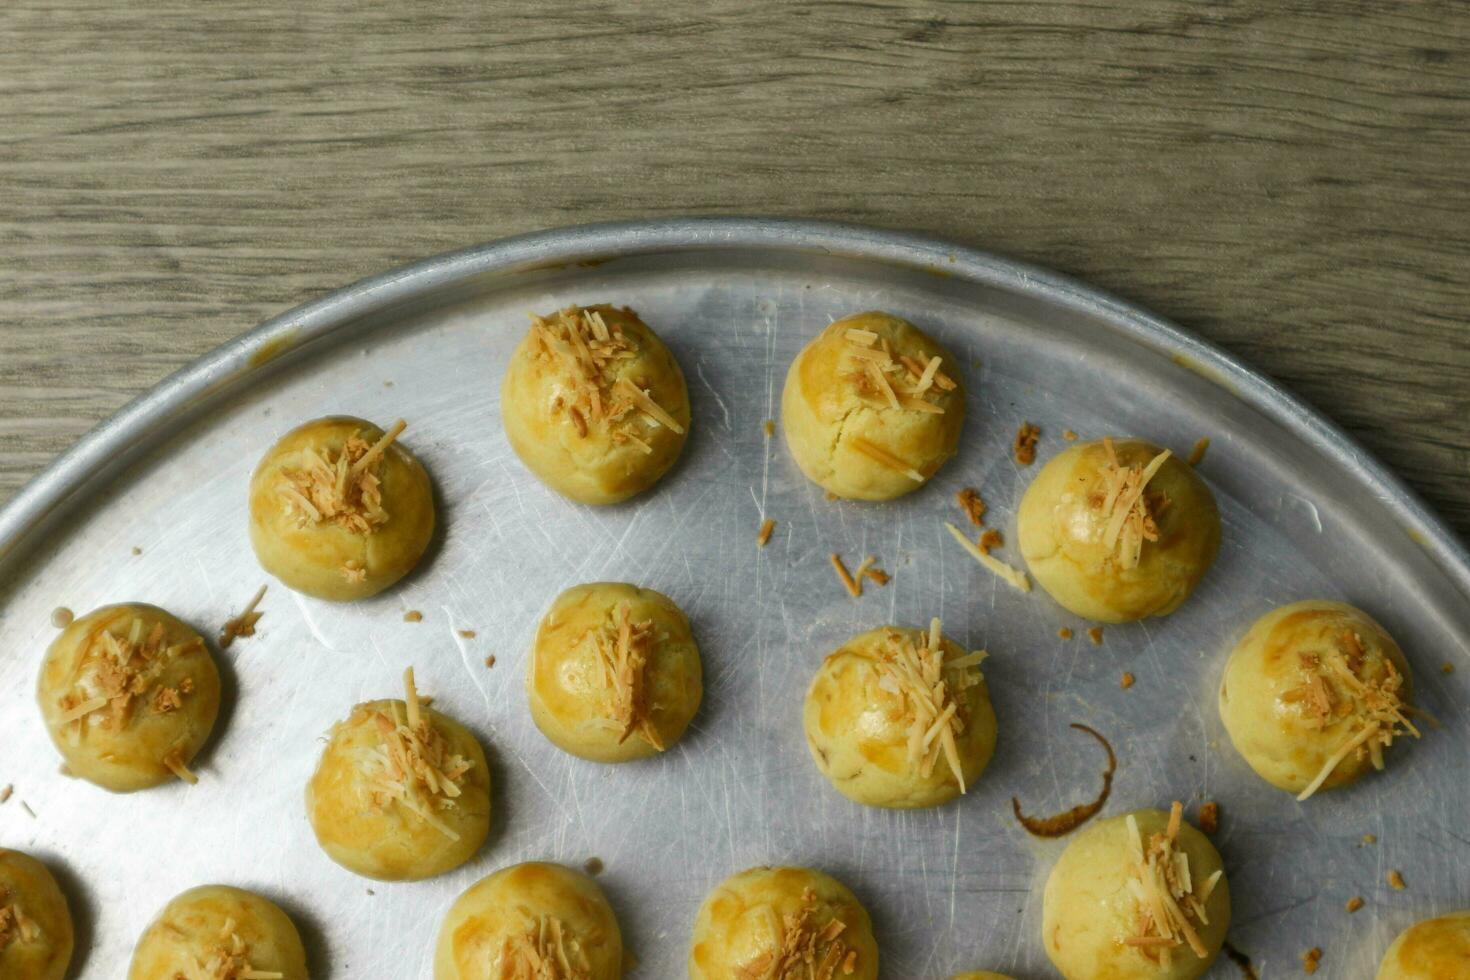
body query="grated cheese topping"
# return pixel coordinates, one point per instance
(117, 671)
(882, 456)
(1171, 904)
(898, 382)
(229, 959)
(925, 685)
(1013, 577)
(547, 950)
(413, 765)
(1333, 689)
(1129, 510)
(243, 624)
(802, 948)
(341, 488)
(623, 649)
(15, 925)
(591, 355)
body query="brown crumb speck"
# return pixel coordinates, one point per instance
(1369, 839)
(137, 550)
(1396, 881)
(1024, 446)
(1127, 680)
(371, 892)
(764, 534)
(829, 496)
(467, 634)
(1065, 633)
(490, 660)
(5, 793)
(972, 504)
(593, 866)
(413, 616)
(991, 539)
(877, 576)
(1310, 960)
(1209, 817)
(769, 427)
(1447, 668)
(1197, 454)
(1069, 435)
(1095, 635)
(1353, 904)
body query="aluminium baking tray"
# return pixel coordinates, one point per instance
(1306, 513)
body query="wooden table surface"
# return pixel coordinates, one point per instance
(1291, 180)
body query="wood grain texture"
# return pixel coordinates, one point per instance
(1289, 179)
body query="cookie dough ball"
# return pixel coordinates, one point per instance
(1313, 694)
(872, 407)
(1435, 949)
(614, 674)
(226, 932)
(340, 510)
(1098, 915)
(1117, 530)
(505, 924)
(871, 718)
(594, 404)
(35, 923)
(401, 793)
(129, 695)
(766, 922)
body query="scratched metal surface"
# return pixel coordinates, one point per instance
(953, 888)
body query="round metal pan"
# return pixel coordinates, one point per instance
(1306, 513)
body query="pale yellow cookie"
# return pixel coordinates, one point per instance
(1117, 530)
(340, 509)
(770, 922)
(1435, 949)
(218, 931)
(1098, 910)
(873, 718)
(129, 695)
(594, 404)
(614, 674)
(36, 933)
(872, 408)
(529, 914)
(1313, 694)
(401, 793)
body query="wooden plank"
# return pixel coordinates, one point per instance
(1288, 180)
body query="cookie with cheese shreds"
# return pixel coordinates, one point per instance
(594, 404)
(36, 934)
(872, 407)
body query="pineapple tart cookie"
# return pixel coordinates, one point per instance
(1435, 949)
(900, 718)
(1137, 897)
(1313, 694)
(129, 695)
(594, 404)
(534, 921)
(872, 407)
(782, 924)
(219, 933)
(614, 674)
(402, 792)
(1117, 531)
(35, 923)
(339, 509)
